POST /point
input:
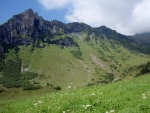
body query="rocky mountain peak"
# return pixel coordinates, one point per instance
(28, 12)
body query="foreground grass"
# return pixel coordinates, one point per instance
(131, 96)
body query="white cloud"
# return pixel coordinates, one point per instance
(141, 17)
(125, 16)
(54, 4)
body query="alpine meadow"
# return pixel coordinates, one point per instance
(54, 67)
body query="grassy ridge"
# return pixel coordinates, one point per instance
(131, 96)
(70, 67)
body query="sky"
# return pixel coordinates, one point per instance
(125, 16)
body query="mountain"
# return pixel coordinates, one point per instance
(143, 40)
(36, 53)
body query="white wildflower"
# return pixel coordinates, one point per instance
(144, 97)
(69, 87)
(112, 111)
(143, 94)
(35, 104)
(40, 102)
(86, 106)
(93, 94)
(66, 111)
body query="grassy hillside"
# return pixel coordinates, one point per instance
(94, 60)
(63, 67)
(128, 96)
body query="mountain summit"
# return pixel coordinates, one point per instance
(37, 53)
(26, 27)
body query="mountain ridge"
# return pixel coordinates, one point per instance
(28, 24)
(36, 53)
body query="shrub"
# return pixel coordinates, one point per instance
(77, 54)
(1, 90)
(49, 84)
(28, 75)
(145, 68)
(12, 68)
(57, 88)
(28, 86)
(109, 77)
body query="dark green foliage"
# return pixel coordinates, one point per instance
(77, 53)
(104, 59)
(35, 82)
(12, 68)
(113, 66)
(79, 27)
(145, 68)
(28, 75)
(97, 70)
(104, 47)
(87, 39)
(20, 80)
(57, 88)
(1, 90)
(1, 65)
(10, 82)
(49, 84)
(11, 71)
(109, 77)
(26, 85)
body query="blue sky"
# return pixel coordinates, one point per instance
(125, 16)
(8, 8)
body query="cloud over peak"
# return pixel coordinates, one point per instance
(125, 16)
(54, 4)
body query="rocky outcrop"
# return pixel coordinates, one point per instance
(28, 27)
(64, 42)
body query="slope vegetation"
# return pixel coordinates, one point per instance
(129, 96)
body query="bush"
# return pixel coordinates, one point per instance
(145, 68)
(49, 84)
(109, 77)
(28, 86)
(1, 90)
(12, 68)
(1, 65)
(28, 75)
(57, 88)
(77, 53)
(8, 83)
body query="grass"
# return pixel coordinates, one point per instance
(132, 96)
(58, 66)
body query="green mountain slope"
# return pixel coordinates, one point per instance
(143, 40)
(132, 96)
(98, 61)
(37, 54)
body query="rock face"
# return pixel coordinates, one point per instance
(22, 27)
(64, 42)
(28, 27)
